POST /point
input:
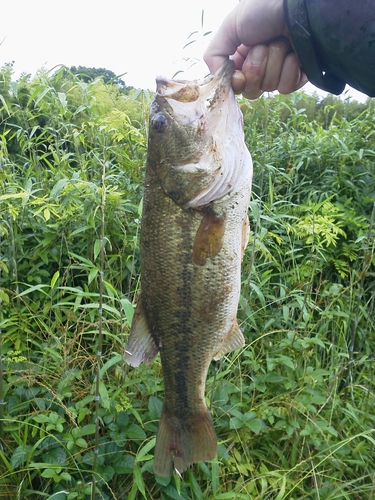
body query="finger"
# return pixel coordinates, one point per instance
(269, 68)
(251, 22)
(292, 77)
(224, 44)
(252, 94)
(277, 52)
(238, 82)
(253, 69)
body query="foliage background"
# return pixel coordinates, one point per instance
(293, 411)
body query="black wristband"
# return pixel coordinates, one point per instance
(303, 42)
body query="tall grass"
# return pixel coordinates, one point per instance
(292, 410)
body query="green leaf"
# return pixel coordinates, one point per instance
(4, 296)
(93, 274)
(40, 288)
(134, 431)
(20, 455)
(55, 456)
(41, 418)
(82, 443)
(4, 104)
(285, 360)
(46, 214)
(143, 451)
(62, 99)
(104, 396)
(55, 277)
(281, 493)
(198, 493)
(215, 476)
(155, 406)
(236, 423)
(58, 187)
(128, 309)
(65, 476)
(138, 478)
(111, 290)
(42, 94)
(259, 293)
(97, 248)
(116, 359)
(255, 425)
(51, 473)
(81, 259)
(13, 196)
(122, 419)
(124, 464)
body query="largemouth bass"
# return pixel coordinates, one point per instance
(194, 231)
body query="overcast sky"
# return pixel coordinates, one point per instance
(141, 38)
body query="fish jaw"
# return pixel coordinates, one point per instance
(190, 100)
(196, 140)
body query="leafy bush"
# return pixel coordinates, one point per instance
(293, 410)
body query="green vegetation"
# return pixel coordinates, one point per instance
(293, 411)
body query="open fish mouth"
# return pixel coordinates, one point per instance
(190, 100)
(189, 91)
(196, 132)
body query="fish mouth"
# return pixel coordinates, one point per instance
(197, 126)
(185, 91)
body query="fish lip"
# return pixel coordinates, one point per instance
(190, 91)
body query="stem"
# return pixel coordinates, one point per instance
(14, 258)
(100, 332)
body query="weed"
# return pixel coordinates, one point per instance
(292, 411)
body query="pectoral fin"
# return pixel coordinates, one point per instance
(141, 347)
(235, 340)
(209, 237)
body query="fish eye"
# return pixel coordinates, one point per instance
(159, 122)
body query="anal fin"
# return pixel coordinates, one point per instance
(141, 347)
(234, 340)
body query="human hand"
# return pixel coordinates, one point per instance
(255, 35)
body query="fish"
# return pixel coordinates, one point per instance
(194, 230)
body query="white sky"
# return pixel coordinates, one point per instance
(142, 38)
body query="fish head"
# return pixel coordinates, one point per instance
(191, 126)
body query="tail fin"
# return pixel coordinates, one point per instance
(184, 441)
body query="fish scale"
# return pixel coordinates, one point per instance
(193, 233)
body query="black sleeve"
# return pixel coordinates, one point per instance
(335, 42)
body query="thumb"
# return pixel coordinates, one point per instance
(223, 44)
